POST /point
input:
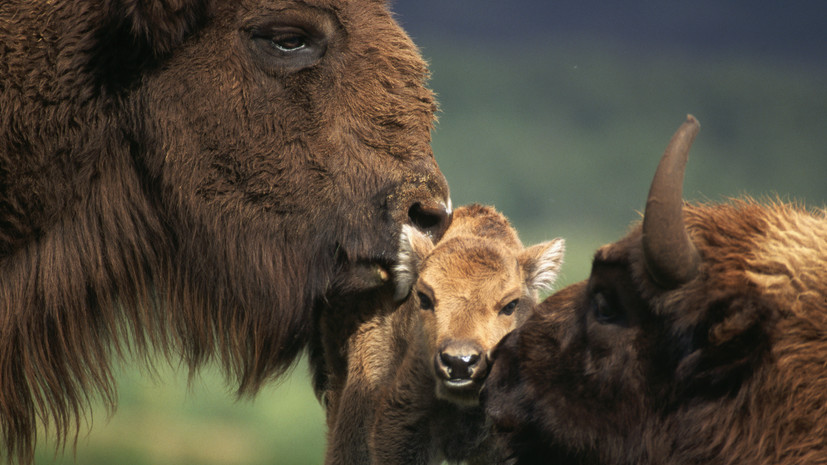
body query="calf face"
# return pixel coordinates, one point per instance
(401, 376)
(470, 293)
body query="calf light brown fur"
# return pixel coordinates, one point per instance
(407, 390)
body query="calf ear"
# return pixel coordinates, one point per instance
(541, 263)
(414, 246)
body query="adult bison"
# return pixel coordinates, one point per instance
(190, 176)
(701, 337)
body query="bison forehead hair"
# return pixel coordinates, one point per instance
(727, 364)
(191, 175)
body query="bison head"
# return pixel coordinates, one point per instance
(194, 175)
(691, 342)
(477, 284)
(286, 143)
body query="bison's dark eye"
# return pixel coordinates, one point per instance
(287, 48)
(510, 307)
(425, 302)
(290, 42)
(605, 311)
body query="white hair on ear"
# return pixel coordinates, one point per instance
(413, 246)
(542, 263)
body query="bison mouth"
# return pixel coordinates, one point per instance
(361, 275)
(361, 267)
(364, 262)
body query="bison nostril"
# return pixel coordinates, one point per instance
(430, 220)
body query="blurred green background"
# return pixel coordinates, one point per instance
(556, 113)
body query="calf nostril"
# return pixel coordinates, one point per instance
(430, 220)
(458, 366)
(470, 360)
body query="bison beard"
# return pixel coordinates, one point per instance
(701, 343)
(191, 177)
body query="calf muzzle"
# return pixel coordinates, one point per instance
(461, 364)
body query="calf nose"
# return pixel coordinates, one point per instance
(460, 364)
(433, 220)
(458, 367)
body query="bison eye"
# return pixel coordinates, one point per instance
(510, 307)
(605, 311)
(425, 302)
(290, 42)
(287, 48)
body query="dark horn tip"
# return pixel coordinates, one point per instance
(685, 134)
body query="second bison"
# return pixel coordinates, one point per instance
(701, 337)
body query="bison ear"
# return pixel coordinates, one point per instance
(156, 26)
(541, 263)
(414, 246)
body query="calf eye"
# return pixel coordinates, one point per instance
(425, 302)
(509, 309)
(603, 310)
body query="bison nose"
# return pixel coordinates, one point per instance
(433, 220)
(462, 365)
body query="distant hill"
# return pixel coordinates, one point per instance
(793, 29)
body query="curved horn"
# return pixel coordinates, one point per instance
(671, 258)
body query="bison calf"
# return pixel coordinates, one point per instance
(407, 391)
(701, 337)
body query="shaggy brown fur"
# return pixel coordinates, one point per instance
(192, 175)
(729, 367)
(407, 389)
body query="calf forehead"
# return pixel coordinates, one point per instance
(467, 269)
